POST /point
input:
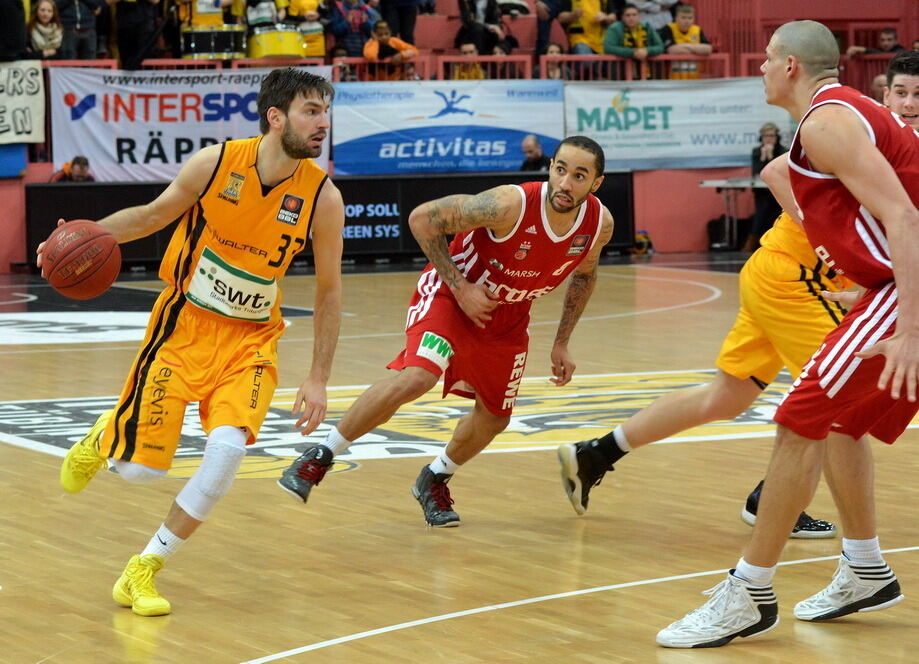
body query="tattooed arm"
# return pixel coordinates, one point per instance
(580, 286)
(497, 209)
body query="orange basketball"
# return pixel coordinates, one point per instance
(81, 259)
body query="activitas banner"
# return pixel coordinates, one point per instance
(673, 124)
(442, 126)
(143, 125)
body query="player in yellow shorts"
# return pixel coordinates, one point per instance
(245, 208)
(782, 320)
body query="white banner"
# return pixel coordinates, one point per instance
(673, 124)
(22, 102)
(143, 125)
(442, 126)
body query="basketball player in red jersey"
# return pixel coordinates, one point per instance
(468, 317)
(854, 174)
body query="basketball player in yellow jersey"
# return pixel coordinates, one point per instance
(245, 208)
(783, 319)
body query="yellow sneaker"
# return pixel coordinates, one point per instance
(135, 587)
(83, 460)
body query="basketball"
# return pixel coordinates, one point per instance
(81, 259)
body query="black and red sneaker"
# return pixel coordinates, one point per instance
(306, 472)
(432, 493)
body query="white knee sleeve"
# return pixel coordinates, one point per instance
(225, 449)
(136, 473)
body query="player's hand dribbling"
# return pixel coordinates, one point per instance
(41, 247)
(312, 403)
(901, 363)
(476, 301)
(562, 365)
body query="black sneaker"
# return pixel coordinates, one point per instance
(432, 492)
(807, 527)
(583, 467)
(306, 472)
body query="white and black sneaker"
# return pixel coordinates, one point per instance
(806, 527)
(736, 608)
(583, 466)
(855, 587)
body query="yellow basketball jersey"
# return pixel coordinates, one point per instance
(233, 246)
(787, 237)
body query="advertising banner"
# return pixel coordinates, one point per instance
(22, 102)
(442, 126)
(143, 125)
(673, 124)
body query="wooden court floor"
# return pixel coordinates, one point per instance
(355, 575)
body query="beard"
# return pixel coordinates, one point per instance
(296, 147)
(563, 209)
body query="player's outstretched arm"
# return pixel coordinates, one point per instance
(580, 286)
(831, 136)
(328, 221)
(497, 209)
(142, 220)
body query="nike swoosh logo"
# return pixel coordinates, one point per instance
(160, 539)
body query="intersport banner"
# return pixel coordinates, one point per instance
(144, 125)
(673, 124)
(442, 126)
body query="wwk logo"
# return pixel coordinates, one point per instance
(79, 109)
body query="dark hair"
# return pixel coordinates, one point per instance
(683, 9)
(80, 160)
(282, 85)
(588, 144)
(560, 47)
(889, 31)
(905, 62)
(629, 5)
(380, 24)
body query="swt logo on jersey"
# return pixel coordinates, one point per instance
(230, 291)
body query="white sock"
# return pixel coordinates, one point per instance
(862, 551)
(443, 465)
(336, 442)
(757, 576)
(621, 440)
(163, 544)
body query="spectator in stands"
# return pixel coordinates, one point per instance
(534, 158)
(468, 71)
(630, 38)
(346, 74)
(13, 35)
(554, 69)
(136, 20)
(766, 208)
(546, 12)
(45, 30)
(878, 83)
(309, 17)
(79, 20)
(887, 43)
(656, 13)
(76, 170)
(389, 51)
(401, 16)
(916, 44)
(684, 37)
(481, 24)
(585, 22)
(505, 70)
(351, 23)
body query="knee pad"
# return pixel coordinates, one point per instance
(225, 449)
(136, 473)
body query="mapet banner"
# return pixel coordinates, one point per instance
(442, 126)
(672, 124)
(144, 125)
(22, 102)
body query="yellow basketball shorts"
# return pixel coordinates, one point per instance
(228, 366)
(782, 319)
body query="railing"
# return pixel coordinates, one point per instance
(97, 64)
(858, 71)
(179, 63)
(750, 64)
(688, 67)
(585, 67)
(243, 63)
(347, 70)
(613, 68)
(463, 67)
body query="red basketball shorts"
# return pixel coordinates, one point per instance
(475, 363)
(837, 391)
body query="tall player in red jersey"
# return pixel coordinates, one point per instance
(468, 316)
(854, 175)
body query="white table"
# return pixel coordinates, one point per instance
(730, 189)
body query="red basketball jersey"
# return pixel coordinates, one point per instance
(527, 263)
(843, 233)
